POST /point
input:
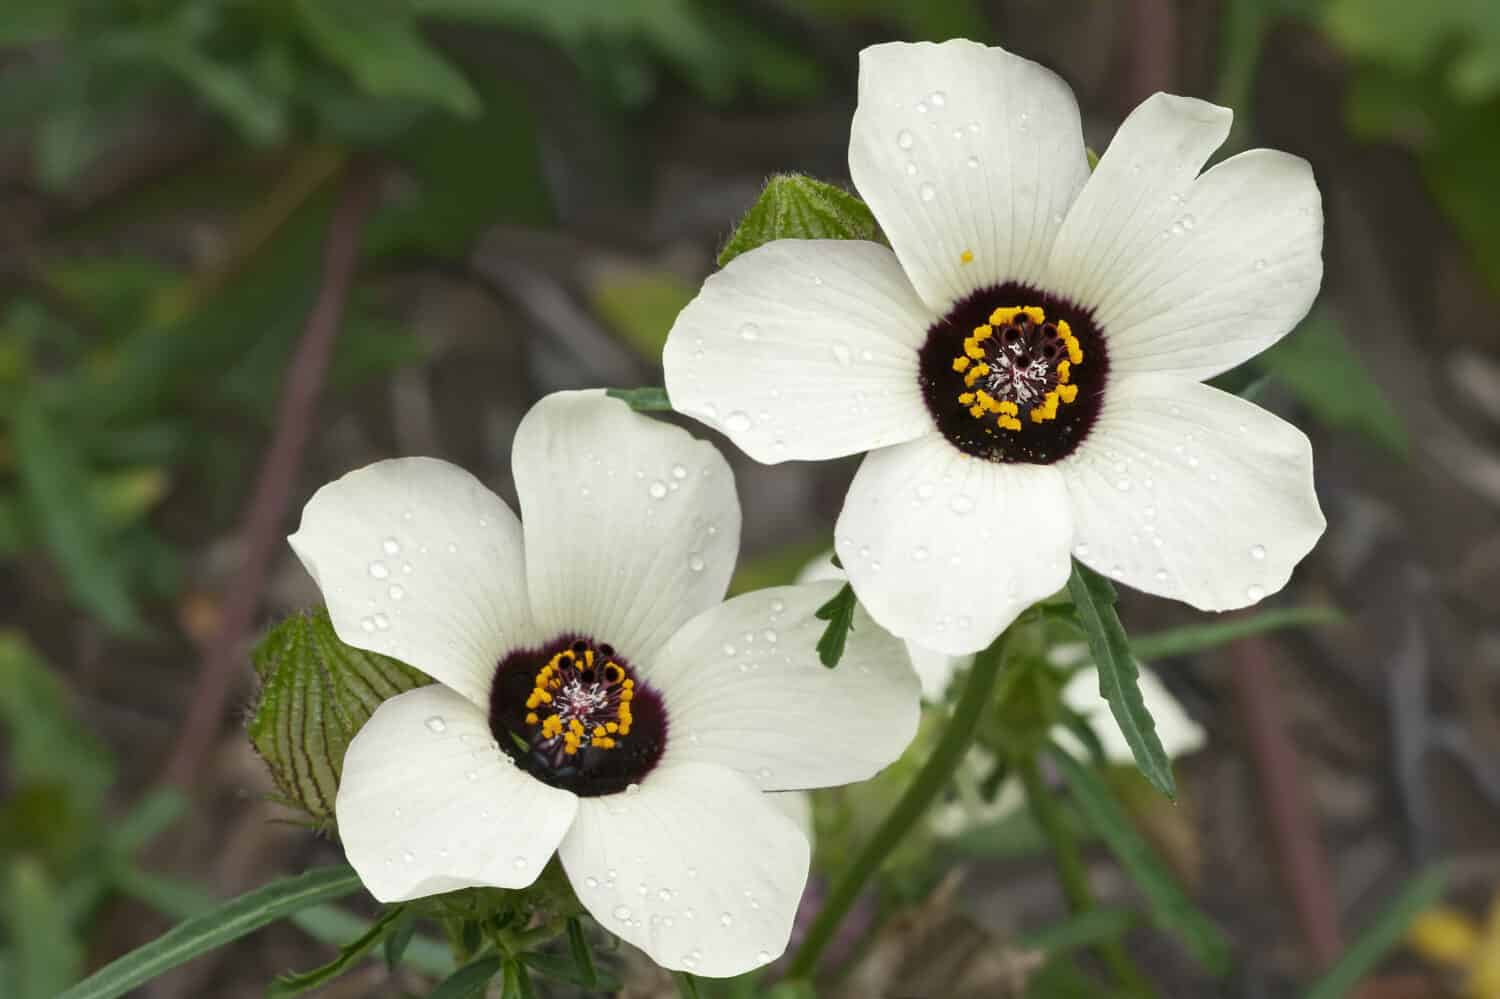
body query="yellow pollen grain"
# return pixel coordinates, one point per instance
(977, 372)
(531, 718)
(1075, 352)
(1067, 393)
(1010, 422)
(1064, 371)
(967, 256)
(966, 398)
(1009, 408)
(960, 363)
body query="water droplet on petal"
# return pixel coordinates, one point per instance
(904, 139)
(938, 98)
(591, 882)
(367, 623)
(1258, 553)
(737, 421)
(1255, 591)
(519, 863)
(973, 162)
(382, 623)
(378, 570)
(725, 919)
(1260, 265)
(622, 912)
(919, 554)
(436, 724)
(961, 504)
(679, 472)
(658, 489)
(927, 192)
(408, 856)
(841, 352)
(396, 591)
(695, 562)
(749, 331)
(391, 546)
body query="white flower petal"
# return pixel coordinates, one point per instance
(428, 803)
(1205, 281)
(803, 349)
(965, 150)
(632, 525)
(1188, 492)
(744, 689)
(416, 559)
(1178, 732)
(946, 550)
(697, 868)
(934, 669)
(1133, 198)
(797, 806)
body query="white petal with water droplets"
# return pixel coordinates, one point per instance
(946, 550)
(1188, 492)
(969, 157)
(619, 545)
(697, 868)
(830, 367)
(416, 559)
(424, 808)
(1178, 732)
(744, 689)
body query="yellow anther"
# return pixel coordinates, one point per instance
(611, 727)
(976, 411)
(972, 349)
(977, 372)
(1009, 423)
(1037, 414)
(599, 732)
(575, 726)
(1007, 315)
(960, 363)
(966, 398)
(1009, 408)
(1067, 393)
(552, 727)
(531, 718)
(1075, 352)
(967, 256)
(1064, 371)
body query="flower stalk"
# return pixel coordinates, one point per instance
(929, 782)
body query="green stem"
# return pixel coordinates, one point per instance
(928, 783)
(1070, 869)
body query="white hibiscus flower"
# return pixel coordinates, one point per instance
(1025, 366)
(594, 697)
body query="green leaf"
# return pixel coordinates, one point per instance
(578, 946)
(1377, 940)
(57, 487)
(226, 923)
(315, 694)
(468, 980)
(687, 985)
(1318, 365)
(295, 985)
(643, 400)
(1119, 678)
(47, 953)
(378, 43)
(640, 306)
(1197, 637)
(399, 939)
(839, 613)
(517, 984)
(794, 206)
(156, 812)
(567, 969)
(1171, 909)
(1084, 929)
(46, 744)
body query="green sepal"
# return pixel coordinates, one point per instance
(315, 694)
(794, 206)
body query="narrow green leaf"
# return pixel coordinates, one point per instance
(1119, 678)
(468, 980)
(794, 206)
(226, 923)
(1171, 909)
(399, 938)
(47, 745)
(48, 955)
(381, 47)
(1420, 893)
(643, 400)
(578, 946)
(55, 480)
(1321, 367)
(1084, 929)
(296, 984)
(156, 812)
(1197, 637)
(687, 985)
(839, 613)
(315, 694)
(567, 969)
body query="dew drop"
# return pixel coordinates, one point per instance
(938, 98)
(842, 353)
(1260, 265)
(679, 472)
(391, 546)
(658, 489)
(770, 635)
(1258, 553)
(919, 554)
(1188, 222)
(729, 649)
(472, 775)
(406, 568)
(911, 169)
(436, 724)
(378, 570)
(778, 605)
(519, 863)
(763, 956)
(1123, 485)
(749, 331)
(927, 192)
(725, 919)
(591, 882)
(367, 623)
(738, 421)
(452, 548)
(382, 623)
(1161, 575)
(665, 894)
(904, 139)
(961, 504)
(409, 857)
(973, 162)
(695, 562)
(622, 912)
(396, 591)
(1255, 591)
(632, 789)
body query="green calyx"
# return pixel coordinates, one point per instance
(315, 694)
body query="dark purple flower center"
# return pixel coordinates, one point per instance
(574, 715)
(1013, 374)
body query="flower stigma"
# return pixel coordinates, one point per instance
(1013, 382)
(581, 720)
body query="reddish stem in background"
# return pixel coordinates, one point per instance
(262, 530)
(1151, 58)
(1299, 852)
